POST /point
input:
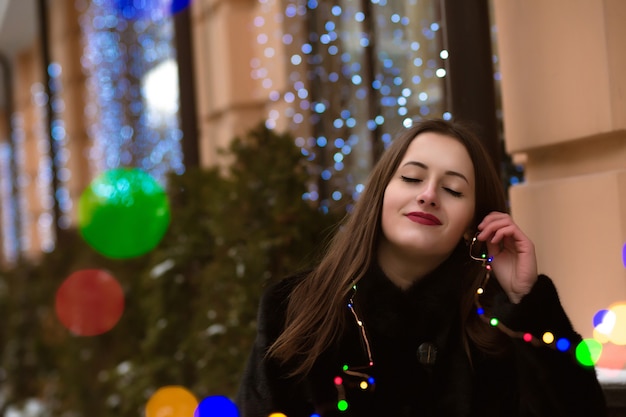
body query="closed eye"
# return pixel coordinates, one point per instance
(450, 191)
(453, 193)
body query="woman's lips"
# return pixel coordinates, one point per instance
(424, 218)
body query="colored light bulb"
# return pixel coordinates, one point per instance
(588, 352)
(563, 344)
(342, 405)
(547, 338)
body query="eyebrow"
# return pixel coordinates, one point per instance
(424, 166)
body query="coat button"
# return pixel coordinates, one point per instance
(427, 353)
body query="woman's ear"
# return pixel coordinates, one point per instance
(468, 236)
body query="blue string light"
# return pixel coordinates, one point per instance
(132, 77)
(335, 52)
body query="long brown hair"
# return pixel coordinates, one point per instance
(315, 313)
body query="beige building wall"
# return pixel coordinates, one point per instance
(563, 65)
(66, 49)
(27, 77)
(240, 61)
(4, 125)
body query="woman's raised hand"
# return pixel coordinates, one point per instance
(514, 260)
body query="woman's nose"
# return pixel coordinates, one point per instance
(428, 197)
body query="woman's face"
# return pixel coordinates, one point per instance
(429, 203)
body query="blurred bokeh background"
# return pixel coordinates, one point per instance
(162, 161)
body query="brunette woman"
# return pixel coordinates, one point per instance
(427, 303)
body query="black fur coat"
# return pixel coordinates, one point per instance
(420, 365)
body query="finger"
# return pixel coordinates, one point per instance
(507, 231)
(512, 239)
(493, 216)
(490, 228)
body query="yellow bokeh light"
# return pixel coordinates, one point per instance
(277, 415)
(171, 401)
(548, 338)
(363, 385)
(618, 332)
(600, 337)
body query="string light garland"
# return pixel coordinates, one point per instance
(355, 375)
(358, 376)
(478, 252)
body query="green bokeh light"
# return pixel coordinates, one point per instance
(588, 352)
(342, 405)
(123, 213)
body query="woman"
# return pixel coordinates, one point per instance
(400, 318)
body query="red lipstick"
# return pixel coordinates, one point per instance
(424, 218)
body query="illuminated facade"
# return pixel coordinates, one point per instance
(341, 76)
